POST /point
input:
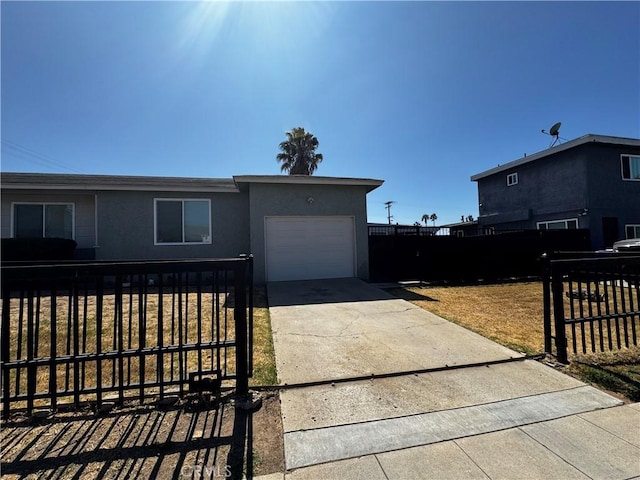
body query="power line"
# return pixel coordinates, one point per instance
(23, 153)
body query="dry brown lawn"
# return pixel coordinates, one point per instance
(130, 328)
(510, 314)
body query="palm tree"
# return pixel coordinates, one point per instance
(433, 218)
(425, 218)
(298, 153)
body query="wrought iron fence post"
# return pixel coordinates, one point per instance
(6, 354)
(546, 301)
(558, 315)
(240, 318)
(249, 258)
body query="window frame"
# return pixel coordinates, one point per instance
(512, 179)
(628, 157)
(182, 201)
(635, 227)
(44, 217)
(565, 220)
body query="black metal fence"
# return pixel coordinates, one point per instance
(590, 304)
(103, 332)
(406, 256)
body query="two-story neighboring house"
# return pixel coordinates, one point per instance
(591, 182)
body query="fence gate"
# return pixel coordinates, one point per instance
(98, 332)
(591, 304)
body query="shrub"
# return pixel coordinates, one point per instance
(41, 249)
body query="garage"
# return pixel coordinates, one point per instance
(307, 248)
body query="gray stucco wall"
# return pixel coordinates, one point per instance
(126, 226)
(584, 183)
(610, 195)
(291, 200)
(552, 188)
(84, 234)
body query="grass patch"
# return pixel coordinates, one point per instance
(136, 324)
(264, 358)
(512, 315)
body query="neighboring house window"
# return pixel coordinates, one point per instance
(43, 220)
(182, 221)
(571, 223)
(630, 167)
(633, 231)
(512, 179)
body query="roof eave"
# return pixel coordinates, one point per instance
(590, 138)
(369, 183)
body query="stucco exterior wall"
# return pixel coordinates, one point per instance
(584, 183)
(126, 226)
(552, 188)
(609, 195)
(84, 211)
(291, 200)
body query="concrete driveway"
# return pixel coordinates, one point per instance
(379, 388)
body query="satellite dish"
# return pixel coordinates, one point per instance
(554, 132)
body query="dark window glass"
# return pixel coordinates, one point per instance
(28, 221)
(168, 221)
(196, 221)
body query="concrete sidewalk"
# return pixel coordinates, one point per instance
(394, 392)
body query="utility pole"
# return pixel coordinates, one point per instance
(388, 207)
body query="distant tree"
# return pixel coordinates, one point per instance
(298, 153)
(425, 218)
(433, 217)
(417, 224)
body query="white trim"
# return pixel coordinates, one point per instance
(182, 200)
(354, 245)
(631, 225)
(558, 221)
(628, 155)
(590, 138)
(43, 204)
(95, 220)
(512, 179)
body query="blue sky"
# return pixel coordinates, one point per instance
(419, 94)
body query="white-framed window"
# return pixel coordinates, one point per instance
(568, 224)
(182, 221)
(512, 179)
(43, 220)
(632, 231)
(630, 167)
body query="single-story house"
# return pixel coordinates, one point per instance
(296, 226)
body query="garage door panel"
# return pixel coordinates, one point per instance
(309, 248)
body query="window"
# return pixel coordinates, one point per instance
(630, 167)
(182, 221)
(512, 179)
(632, 231)
(569, 224)
(43, 220)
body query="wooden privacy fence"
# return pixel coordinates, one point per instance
(590, 304)
(97, 332)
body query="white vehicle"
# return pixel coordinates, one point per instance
(630, 245)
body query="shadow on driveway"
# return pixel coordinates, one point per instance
(313, 292)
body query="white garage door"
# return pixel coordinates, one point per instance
(306, 248)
